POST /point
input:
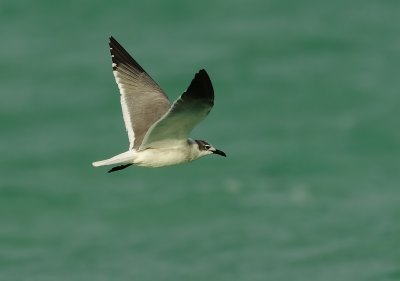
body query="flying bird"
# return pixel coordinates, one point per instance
(158, 131)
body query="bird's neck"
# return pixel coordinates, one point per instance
(194, 151)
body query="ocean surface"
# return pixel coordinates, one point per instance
(307, 98)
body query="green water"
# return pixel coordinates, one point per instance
(307, 109)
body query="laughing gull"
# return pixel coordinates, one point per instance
(158, 131)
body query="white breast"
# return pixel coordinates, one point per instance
(163, 156)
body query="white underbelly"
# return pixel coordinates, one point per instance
(161, 157)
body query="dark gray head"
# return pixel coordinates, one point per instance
(205, 148)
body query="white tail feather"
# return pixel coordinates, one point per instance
(127, 157)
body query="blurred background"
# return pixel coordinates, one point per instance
(307, 109)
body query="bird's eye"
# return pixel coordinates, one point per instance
(207, 147)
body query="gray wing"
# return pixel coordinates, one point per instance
(185, 113)
(142, 100)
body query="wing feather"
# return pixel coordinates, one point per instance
(185, 113)
(143, 102)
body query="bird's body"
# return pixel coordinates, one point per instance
(158, 131)
(156, 157)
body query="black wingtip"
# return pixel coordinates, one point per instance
(201, 87)
(112, 41)
(120, 56)
(117, 168)
(202, 74)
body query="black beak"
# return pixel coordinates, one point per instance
(219, 152)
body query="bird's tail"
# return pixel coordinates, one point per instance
(103, 163)
(127, 157)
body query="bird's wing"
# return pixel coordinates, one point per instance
(185, 113)
(142, 100)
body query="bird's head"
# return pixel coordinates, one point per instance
(204, 148)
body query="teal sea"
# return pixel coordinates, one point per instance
(306, 108)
